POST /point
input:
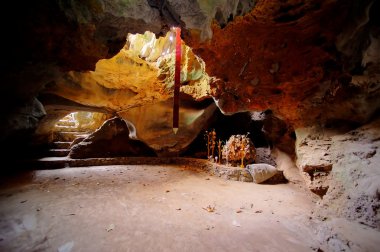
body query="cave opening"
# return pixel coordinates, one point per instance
(72, 129)
(81, 124)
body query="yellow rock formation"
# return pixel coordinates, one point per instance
(152, 124)
(141, 73)
(138, 84)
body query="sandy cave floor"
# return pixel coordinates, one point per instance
(150, 208)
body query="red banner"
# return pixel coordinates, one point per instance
(177, 79)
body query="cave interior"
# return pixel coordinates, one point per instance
(278, 126)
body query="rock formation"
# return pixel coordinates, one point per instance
(314, 64)
(137, 83)
(258, 54)
(342, 167)
(152, 124)
(297, 59)
(111, 140)
(141, 73)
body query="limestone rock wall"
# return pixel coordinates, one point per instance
(137, 84)
(198, 15)
(152, 124)
(297, 58)
(141, 73)
(343, 168)
(308, 61)
(45, 39)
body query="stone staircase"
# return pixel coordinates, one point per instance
(61, 149)
(66, 131)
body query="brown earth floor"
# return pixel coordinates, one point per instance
(150, 208)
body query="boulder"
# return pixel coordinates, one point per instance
(261, 172)
(110, 140)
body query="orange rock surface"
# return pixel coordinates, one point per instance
(275, 57)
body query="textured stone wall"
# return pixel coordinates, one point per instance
(309, 62)
(342, 166)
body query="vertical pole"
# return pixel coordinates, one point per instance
(177, 79)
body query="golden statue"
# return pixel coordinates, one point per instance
(213, 142)
(219, 150)
(243, 152)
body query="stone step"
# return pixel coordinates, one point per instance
(66, 123)
(62, 145)
(218, 170)
(66, 128)
(62, 162)
(59, 152)
(68, 136)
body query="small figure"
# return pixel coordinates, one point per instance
(207, 134)
(213, 142)
(243, 152)
(219, 149)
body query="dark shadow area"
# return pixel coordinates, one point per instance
(226, 126)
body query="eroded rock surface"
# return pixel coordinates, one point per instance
(153, 125)
(276, 131)
(45, 39)
(142, 73)
(296, 58)
(343, 166)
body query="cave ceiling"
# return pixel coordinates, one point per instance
(307, 61)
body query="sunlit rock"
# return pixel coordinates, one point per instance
(141, 77)
(141, 73)
(153, 125)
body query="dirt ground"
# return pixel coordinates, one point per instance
(150, 208)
